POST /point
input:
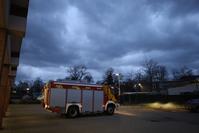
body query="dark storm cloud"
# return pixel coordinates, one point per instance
(42, 44)
(109, 33)
(175, 7)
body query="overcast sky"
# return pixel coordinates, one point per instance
(108, 33)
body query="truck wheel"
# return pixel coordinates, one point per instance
(72, 112)
(110, 110)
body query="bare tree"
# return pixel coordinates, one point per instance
(150, 69)
(108, 76)
(130, 76)
(182, 72)
(79, 72)
(21, 88)
(37, 85)
(88, 78)
(161, 73)
(139, 76)
(153, 72)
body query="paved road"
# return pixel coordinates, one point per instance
(33, 119)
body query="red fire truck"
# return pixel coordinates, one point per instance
(74, 98)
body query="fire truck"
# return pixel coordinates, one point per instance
(73, 99)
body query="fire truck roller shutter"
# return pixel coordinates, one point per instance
(57, 97)
(98, 101)
(87, 100)
(73, 96)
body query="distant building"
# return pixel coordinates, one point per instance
(186, 85)
(190, 88)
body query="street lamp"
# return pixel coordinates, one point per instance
(27, 90)
(118, 75)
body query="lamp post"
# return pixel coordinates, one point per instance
(27, 90)
(119, 91)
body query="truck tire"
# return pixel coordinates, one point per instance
(72, 112)
(110, 109)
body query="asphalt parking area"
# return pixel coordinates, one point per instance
(33, 119)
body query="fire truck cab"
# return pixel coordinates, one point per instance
(73, 99)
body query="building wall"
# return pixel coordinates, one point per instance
(183, 89)
(13, 15)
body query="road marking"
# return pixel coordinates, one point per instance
(125, 113)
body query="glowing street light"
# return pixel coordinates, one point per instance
(140, 86)
(118, 75)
